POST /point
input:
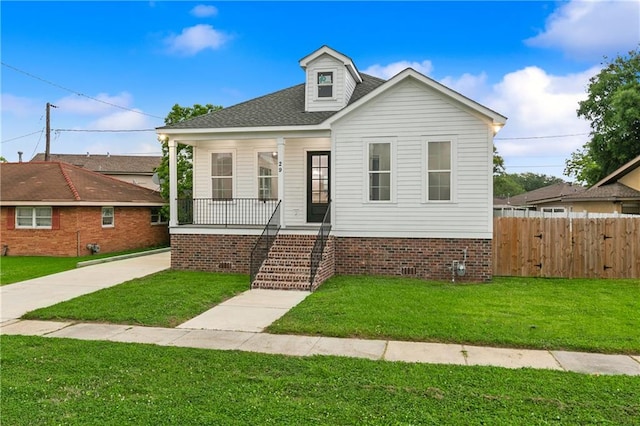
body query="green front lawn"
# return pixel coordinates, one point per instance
(63, 381)
(164, 299)
(578, 314)
(14, 269)
(586, 315)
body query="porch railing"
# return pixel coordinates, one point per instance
(318, 246)
(261, 248)
(225, 212)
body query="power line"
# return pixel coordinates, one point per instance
(540, 137)
(103, 130)
(77, 93)
(23, 136)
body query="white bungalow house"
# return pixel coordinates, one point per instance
(345, 173)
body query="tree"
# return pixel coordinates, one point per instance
(184, 152)
(613, 108)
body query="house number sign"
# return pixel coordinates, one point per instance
(279, 166)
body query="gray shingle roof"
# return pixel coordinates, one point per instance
(613, 191)
(282, 108)
(109, 164)
(548, 193)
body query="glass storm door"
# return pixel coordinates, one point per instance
(318, 178)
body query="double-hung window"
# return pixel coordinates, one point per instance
(439, 170)
(33, 217)
(108, 217)
(325, 84)
(267, 175)
(157, 216)
(221, 175)
(379, 170)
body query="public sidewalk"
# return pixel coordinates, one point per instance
(238, 324)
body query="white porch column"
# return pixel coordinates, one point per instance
(281, 173)
(173, 183)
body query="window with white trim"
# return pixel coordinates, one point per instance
(379, 170)
(108, 217)
(221, 175)
(33, 217)
(439, 170)
(553, 209)
(325, 84)
(267, 175)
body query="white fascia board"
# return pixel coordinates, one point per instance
(194, 230)
(620, 172)
(5, 203)
(412, 234)
(495, 117)
(346, 61)
(229, 131)
(191, 138)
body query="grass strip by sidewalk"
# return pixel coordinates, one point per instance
(14, 269)
(71, 382)
(164, 299)
(578, 314)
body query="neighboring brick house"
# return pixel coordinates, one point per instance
(136, 169)
(57, 209)
(395, 176)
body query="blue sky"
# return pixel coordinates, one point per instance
(529, 60)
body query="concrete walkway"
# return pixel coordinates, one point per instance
(237, 324)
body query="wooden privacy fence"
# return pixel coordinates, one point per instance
(567, 247)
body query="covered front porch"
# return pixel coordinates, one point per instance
(239, 183)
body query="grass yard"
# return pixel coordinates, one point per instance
(578, 314)
(63, 381)
(164, 299)
(14, 269)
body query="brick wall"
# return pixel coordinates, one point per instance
(79, 226)
(426, 258)
(212, 253)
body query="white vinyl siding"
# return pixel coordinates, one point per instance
(343, 85)
(33, 217)
(409, 114)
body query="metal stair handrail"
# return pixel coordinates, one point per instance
(262, 246)
(319, 244)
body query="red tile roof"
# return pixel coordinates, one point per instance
(61, 182)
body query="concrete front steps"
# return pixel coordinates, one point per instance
(288, 265)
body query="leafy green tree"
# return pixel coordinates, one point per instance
(184, 152)
(530, 181)
(613, 108)
(505, 186)
(498, 162)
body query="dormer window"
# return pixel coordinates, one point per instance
(325, 84)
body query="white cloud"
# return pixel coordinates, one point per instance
(18, 105)
(592, 29)
(75, 104)
(204, 11)
(388, 71)
(469, 85)
(121, 120)
(195, 39)
(538, 105)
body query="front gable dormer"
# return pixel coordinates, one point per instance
(331, 78)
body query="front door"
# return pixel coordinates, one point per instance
(318, 179)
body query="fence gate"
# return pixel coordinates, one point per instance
(567, 247)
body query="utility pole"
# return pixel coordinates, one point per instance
(47, 150)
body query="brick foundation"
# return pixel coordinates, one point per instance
(425, 258)
(212, 253)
